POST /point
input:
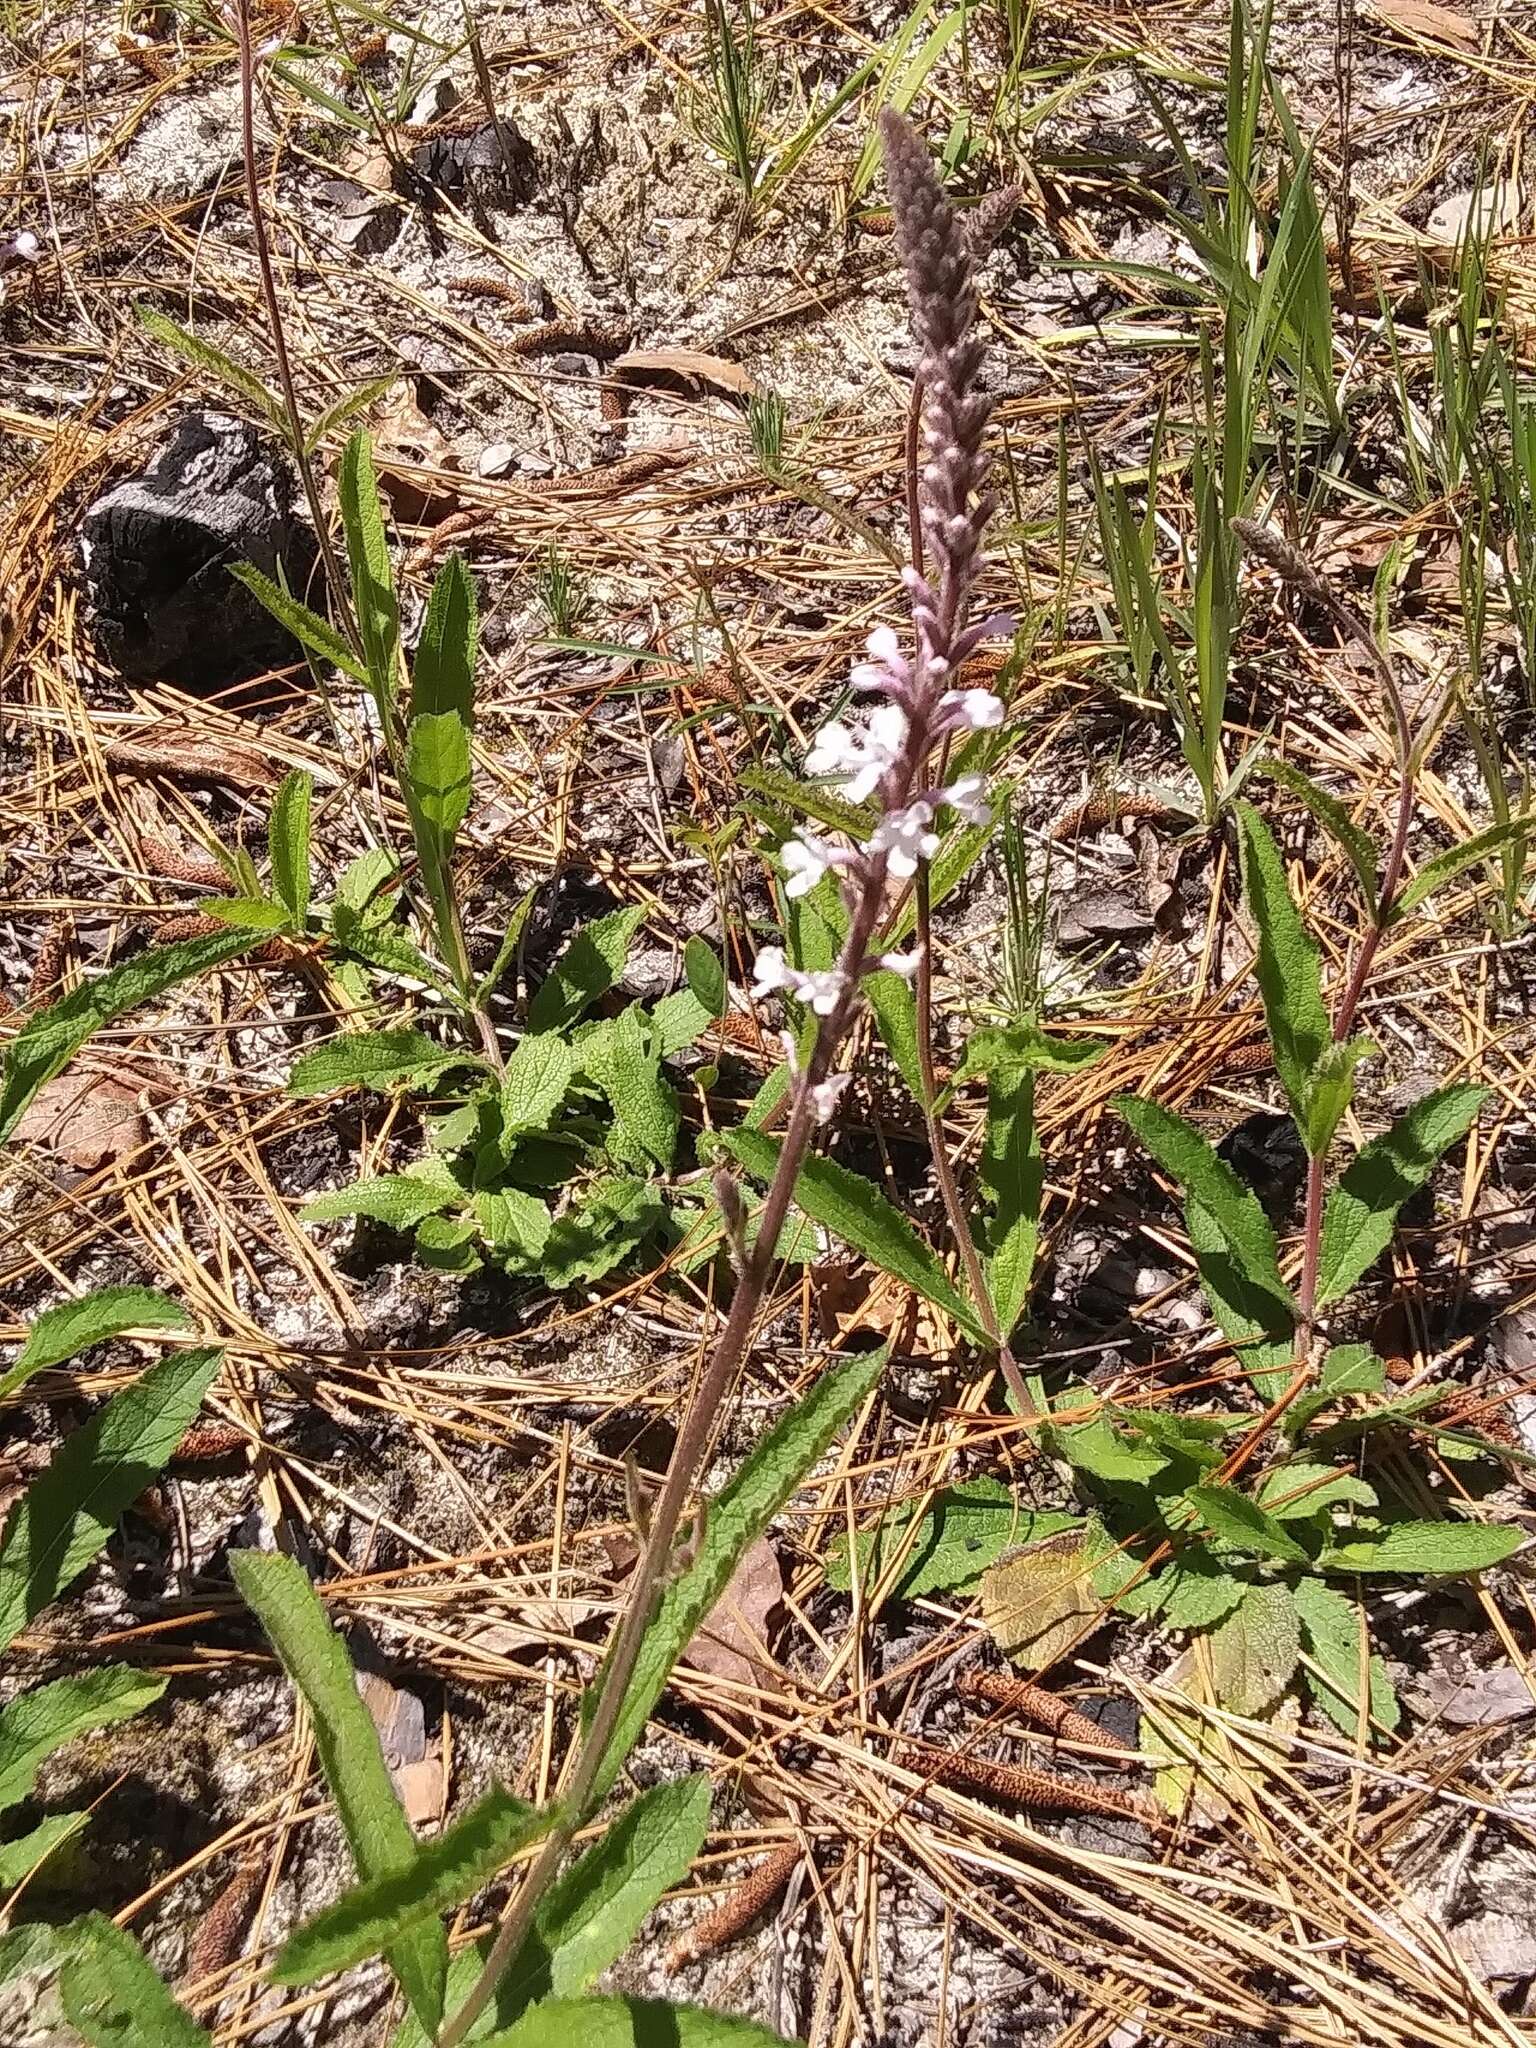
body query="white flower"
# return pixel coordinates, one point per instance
(887, 668)
(861, 759)
(773, 972)
(970, 710)
(905, 837)
(968, 797)
(904, 964)
(805, 860)
(824, 1096)
(823, 991)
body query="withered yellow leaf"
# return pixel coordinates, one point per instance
(1040, 1601)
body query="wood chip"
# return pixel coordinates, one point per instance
(1431, 22)
(689, 367)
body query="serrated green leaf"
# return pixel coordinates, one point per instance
(288, 845)
(1297, 1492)
(966, 1529)
(1098, 1448)
(1362, 1209)
(1288, 967)
(804, 798)
(1332, 1631)
(112, 1996)
(399, 1199)
(856, 1211)
(1038, 1601)
(611, 1220)
(512, 1221)
(307, 627)
(1334, 819)
(1232, 1208)
(1025, 1047)
(533, 1088)
(1255, 1651)
(1437, 1549)
(248, 913)
(278, 1591)
(587, 969)
(706, 976)
(1352, 1369)
(679, 1020)
(378, 943)
(374, 1059)
(1331, 1092)
(448, 1244)
(359, 400)
(1012, 1177)
(590, 1915)
(734, 1520)
(437, 774)
(47, 1042)
(373, 583)
(401, 1905)
(1445, 867)
(629, 1073)
(74, 1326)
(443, 673)
(37, 1723)
(66, 1515)
(1242, 1523)
(1192, 1591)
(629, 2023)
(213, 362)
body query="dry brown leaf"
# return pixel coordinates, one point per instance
(86, 1118)
(1039, 1601)
(413, 457)
(689, 367)
(732, 1642)
(370, 167)
(1436, 24)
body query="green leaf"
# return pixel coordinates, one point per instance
(288, 844)
(857, 820)
(678, 1020)
(1026, 1048)
(1334, 819)
(113, 1997)
(1362, 1209)
(1332, 1090)
(374, 1059)
(399, 1908)
(307, 627)
(69, 1511)
(1012, 1177)
(213, 362)
(588, 968)
(629, 1074)
(437, 774)
(373, 583)
(855, 1211)
(891, 999)
(1438, 1549)
(37, 1723)
(74, 1326)
(1332, 1630)
(733, 1521)
(1255, 1651)
(26, 1854)
(1295, 1493)
(1288, 969)
(613, 1218)
(1446, 866)
(248, 913)
(513, 1223)
(278, 1591)
(447, 1243)
(1192, 1591)
(1352, 1369)
(1098, 1448)
(399, 1199)
(443, 674)
(629, 2023)
(510, 940)
(365, 395)
(706, 976)
(1252, 1321)
(966, 1529)
(1206, 1178)
(537, 1076)
(589, 1916)
(1242, 1523)
(377, 942)
(47, 1042)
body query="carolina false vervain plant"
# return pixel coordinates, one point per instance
(888, 757)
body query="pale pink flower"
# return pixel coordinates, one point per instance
(861, 759)
(969, 711)
(905, 838)
(805, 859)
(904, 964)
(825, 1096)
(967, 796)
(773, 973)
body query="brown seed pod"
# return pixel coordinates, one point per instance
(51, 955)
(222, 1929)
(1107, 807)
(1024, 1786)
(738, 1910)
(1046, 1709)
(181, 863)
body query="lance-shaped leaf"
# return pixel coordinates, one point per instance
(629, 2023)
(1289, 975)
(1334, 819)
(1431, 1548)
(374, 1059)
(1244, 1524)
(307, 627)
(1333, 1634)
(113, 1997)
(856, 1211)
(1445, 867)
(587, 969)
(1362, 1209)
(288, 844)
(74, 1326)
(37, 1723)
(373, 582)
(1013, 1180)
(443, 673)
